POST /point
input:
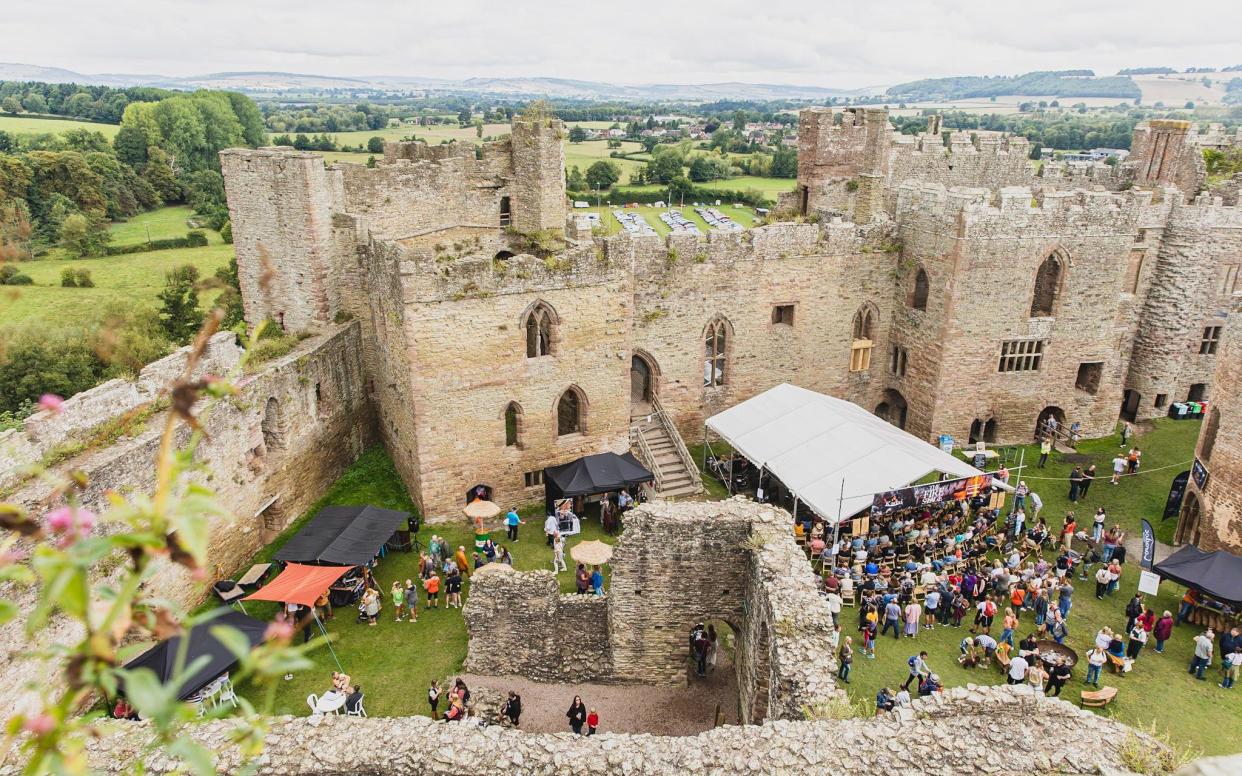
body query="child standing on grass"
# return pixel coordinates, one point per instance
(411, 600)
(398, 602)
(432, 586)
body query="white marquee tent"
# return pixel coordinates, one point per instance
(815, 444)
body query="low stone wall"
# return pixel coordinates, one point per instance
(521, 624)
(961, 731)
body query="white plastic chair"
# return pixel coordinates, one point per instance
(226, 694)
(357, 712)
(312, 700)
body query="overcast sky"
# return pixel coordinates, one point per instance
(808, 42)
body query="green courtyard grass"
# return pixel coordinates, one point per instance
(394, 662)
(131, 279)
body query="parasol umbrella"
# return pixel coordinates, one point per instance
(481, 508)
(592, 553)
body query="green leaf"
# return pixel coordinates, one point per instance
(8, 610)
(144, 690)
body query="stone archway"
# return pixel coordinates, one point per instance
(1130, 405)
(1188, 526)
(644, 382)
(1046, 413)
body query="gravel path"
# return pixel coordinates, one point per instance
(663, 711)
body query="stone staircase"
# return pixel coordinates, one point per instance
(655, 441)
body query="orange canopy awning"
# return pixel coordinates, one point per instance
(299, 584)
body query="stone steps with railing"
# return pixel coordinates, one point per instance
(656, 442)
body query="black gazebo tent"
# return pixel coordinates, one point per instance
(342, 536)
(602, 473)
(1219, 574)
(162, 658)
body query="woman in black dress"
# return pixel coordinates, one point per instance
(577, 714)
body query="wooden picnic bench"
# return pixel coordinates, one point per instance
(1097, 699)
(254, 575)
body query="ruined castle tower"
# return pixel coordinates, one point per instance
(843, 160)
(280, 206)
(538, 184)
(1163, 154)
(1211, 515)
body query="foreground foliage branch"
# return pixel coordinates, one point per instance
(63, 556)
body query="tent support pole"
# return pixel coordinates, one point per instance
(795, 512)
(836, 529)
(324, 631)
(759, 485)
(730, 474)
(704, 447)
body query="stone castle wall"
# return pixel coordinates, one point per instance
(268, 453)
(1188, 294)
(1212, 516)
(521, 625)
(959, 732)
(994, 258)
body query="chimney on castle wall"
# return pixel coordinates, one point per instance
(537, 190)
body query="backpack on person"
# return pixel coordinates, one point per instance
(911, 661)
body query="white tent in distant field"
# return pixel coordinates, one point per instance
(815, 443)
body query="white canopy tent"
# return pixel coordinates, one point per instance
(822, 448)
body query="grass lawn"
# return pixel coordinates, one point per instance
(589, 152)
(159, 224)
(394, 662)
(33, 125)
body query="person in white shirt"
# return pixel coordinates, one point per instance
(1017, 670)
(1119, 466)
(558, 553)
(834, 605)
(902, 698)
(551, 526)
(1102, 578)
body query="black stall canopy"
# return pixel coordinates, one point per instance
(343, 536)
(162, 658)
(602, 473)
(1219, 574)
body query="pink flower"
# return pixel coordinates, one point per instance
(281, 630)
(71, 523)
(40, 724)
(50, 402)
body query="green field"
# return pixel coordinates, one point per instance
(591, 151)
(133, 279)
(20, 125)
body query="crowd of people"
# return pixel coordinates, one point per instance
(967, 565)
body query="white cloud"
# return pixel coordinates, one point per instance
(776, 41)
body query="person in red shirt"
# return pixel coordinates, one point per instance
(592, 722)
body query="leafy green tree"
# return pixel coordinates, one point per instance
(180, 315)
(649, 144)
(784, 163)
(83, 235)
(34, 102)
(577, 134)
(230, 299)
(665, 165)
(11, 105)
(463, 117)
(130, 145)
(603, 175)
(574, 180)
(35, 366)
(159, 175)
(375, 145)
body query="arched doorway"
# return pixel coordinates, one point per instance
(1130, 404)
(893, 408)
(1041, 422)
(981, 431)
(644, 383)
(1188, 527)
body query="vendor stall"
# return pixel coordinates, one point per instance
(1216, 578)
(346, 536)
(200, 642)
(593, 475)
